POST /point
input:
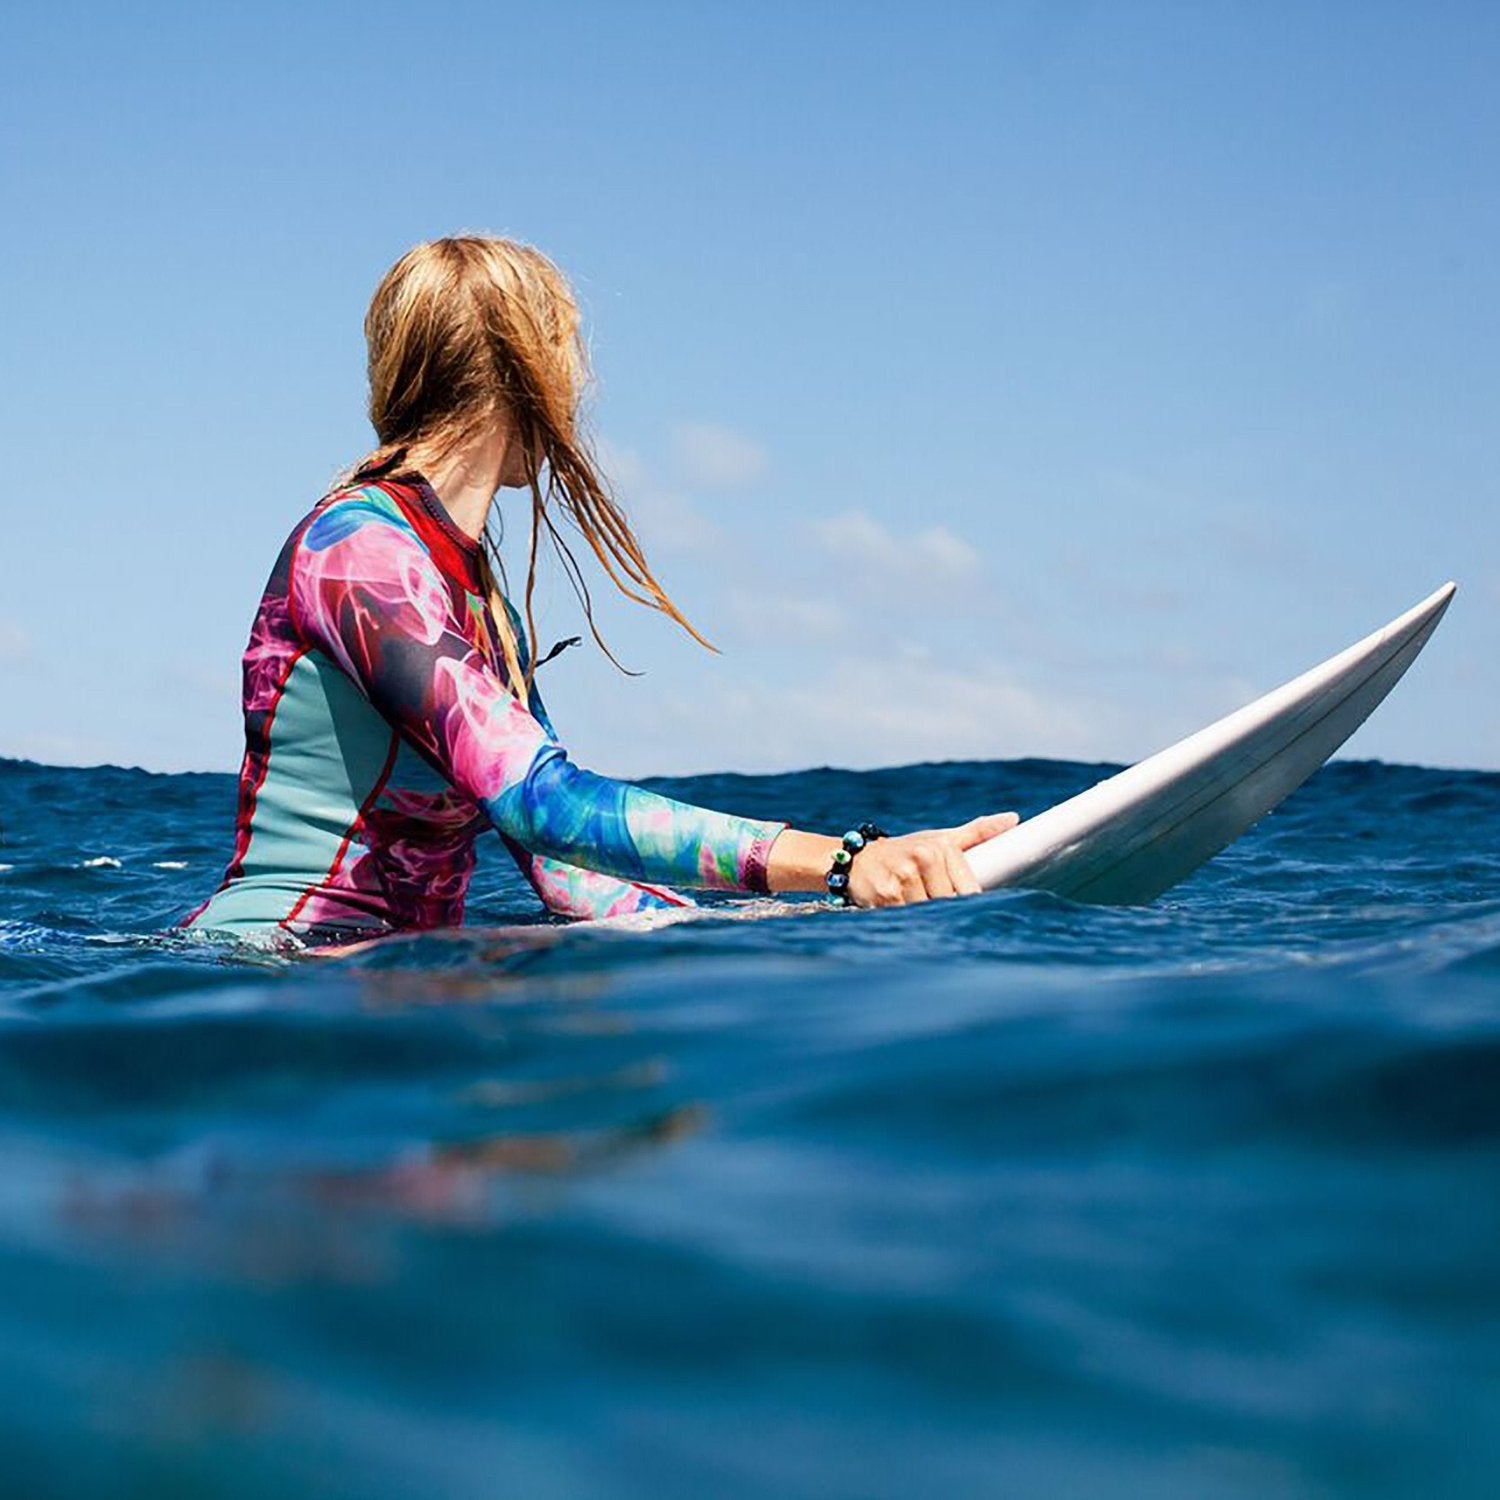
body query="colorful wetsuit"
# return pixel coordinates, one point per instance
(382, 737)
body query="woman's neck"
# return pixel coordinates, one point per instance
(465, 478)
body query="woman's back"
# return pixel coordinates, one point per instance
(342, 829)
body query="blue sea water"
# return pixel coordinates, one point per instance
(998, 1197)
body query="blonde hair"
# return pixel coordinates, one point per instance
(466, 331)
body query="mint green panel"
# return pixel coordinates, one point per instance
(328, 748)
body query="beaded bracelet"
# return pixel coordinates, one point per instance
(837, 879)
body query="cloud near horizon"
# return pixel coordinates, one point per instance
(708, 456)
(844, 708)
(935, 554)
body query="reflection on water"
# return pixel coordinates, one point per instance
(271, 1214)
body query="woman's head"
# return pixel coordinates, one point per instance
(467, 332)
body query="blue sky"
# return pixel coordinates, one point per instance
(986, 380)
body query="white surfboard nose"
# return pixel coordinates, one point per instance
(1430, 610)
(1136, 834)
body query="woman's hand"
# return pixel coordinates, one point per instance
(887, 872)
(922, 866)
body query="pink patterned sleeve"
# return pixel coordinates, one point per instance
(367, 592)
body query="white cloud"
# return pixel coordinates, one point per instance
(623, 466)
(706, 456)
(664, 518)
(914, 708)
(855, 711)
(812, 615)
(856, 538)
(667, 521)
(814, 677)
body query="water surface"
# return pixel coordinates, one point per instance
(997, 1197)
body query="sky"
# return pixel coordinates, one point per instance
(984, 380)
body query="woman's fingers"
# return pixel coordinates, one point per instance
(923, 866)
(913, 887)
(977, 830)
(931, 860)
(901, 872)
(908, 867)
(964, 883)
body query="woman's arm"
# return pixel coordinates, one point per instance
(894, 872)
(366, 591)
(570, 890)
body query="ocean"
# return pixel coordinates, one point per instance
(995, 1197)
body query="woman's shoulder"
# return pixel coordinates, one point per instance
(349, 509)
(381, 529)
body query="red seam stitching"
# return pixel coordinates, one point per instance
(237, 865)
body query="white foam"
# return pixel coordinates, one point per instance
(104, 862)
(170, 864)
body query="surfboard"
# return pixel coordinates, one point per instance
(1136, 834)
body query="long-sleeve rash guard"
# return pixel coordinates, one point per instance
(382, 737)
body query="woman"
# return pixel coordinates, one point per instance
(391, 711)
